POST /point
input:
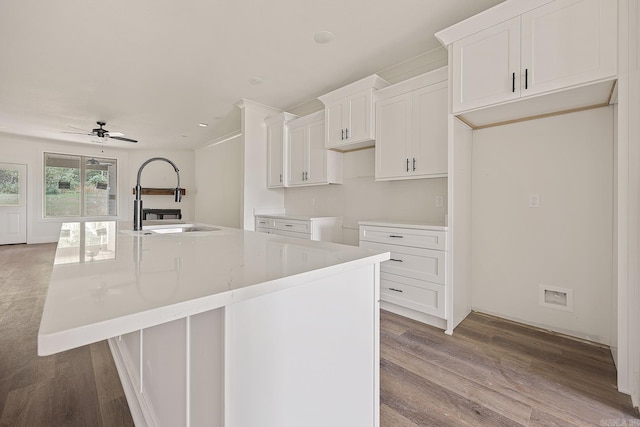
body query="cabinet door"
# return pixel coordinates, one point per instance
(484, 65)
(568, 42)
(358, 118)
(393, 129)
(430, 131)
(297, 155)
(316, 154)
(334, 116)
(275, 155)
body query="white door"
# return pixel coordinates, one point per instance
(297, 160)
(430, 133)
(486, 67)
(275, 156)
(13, 203)
(359, 118)
(317, 155)
(393, 127)
(566, 43)
(335, 127)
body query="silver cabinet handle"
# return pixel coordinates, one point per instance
(396, 236)
(407, 164)
(280, 177)
(346, 132)
(414, 164)
(288, 225)
(396, 260)
(395, 290)
(526, 78)
(342, 137)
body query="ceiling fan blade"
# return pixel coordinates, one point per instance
(88, 132)
(122, 139)
(114, 134)
(77, 133)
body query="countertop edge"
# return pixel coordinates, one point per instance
(54, 342)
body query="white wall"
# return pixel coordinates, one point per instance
(218, 179)
(361, 198)
(160, 174)
(566, 242)
(30, 151)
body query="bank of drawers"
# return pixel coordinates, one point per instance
(415, 276)
(322, 228)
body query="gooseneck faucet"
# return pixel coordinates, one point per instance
(137, 204)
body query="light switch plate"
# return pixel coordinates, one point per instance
(534, 200)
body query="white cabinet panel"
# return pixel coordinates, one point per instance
(486, 67)
(277, 140)
(430, 131)
(393, 124)
(165, 389)
(415, 276)
(418, 295)
(562, 44)
(309, 162)
(349, 114)
(411, 129)
(568, 42)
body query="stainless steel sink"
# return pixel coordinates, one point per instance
(179, 228)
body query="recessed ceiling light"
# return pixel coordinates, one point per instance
(203, 125)
(255, 80)
(323, 37)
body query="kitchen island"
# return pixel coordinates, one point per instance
(222, 327)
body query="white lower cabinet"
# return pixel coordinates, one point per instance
(327, 229)
(413, 282)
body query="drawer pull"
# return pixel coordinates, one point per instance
(395, 290)
(396, 237)
(396, 260)
(288, 225)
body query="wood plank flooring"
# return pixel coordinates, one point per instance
(75, 388)
(490, 373)
(493, 372)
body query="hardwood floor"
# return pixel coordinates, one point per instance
(74, 388)
(491, 372)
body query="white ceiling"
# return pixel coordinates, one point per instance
(154, 69)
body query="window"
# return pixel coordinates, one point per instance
(79, 186)
(9, 187)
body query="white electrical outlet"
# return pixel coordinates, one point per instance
(439, 201)
(534, 200)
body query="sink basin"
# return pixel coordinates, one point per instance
(178, 228)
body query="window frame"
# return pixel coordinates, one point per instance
(83, 195)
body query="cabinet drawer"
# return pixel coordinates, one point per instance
(306, 236)
(264, 222)
(292, 225)
(417, 263)
(428, 239)
(417, 295)
(263, 229)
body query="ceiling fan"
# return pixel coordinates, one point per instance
(100, 132)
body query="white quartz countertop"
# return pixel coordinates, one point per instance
(404, 224)
(108, 280)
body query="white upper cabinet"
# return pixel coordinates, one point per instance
(568, 42)
(277, 137)
(411, 128)
(309, 163)
(560, 44)
(486, 67)
(349, 113)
